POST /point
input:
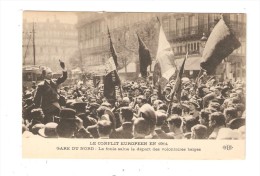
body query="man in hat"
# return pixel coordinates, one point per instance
(68, 123)
(81, 112)
(46, 95)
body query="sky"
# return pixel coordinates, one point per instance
(41, 16)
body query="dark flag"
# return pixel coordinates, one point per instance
(111, 80)
(112, 49)
(144, 57)
(221, 43)
(177, 87)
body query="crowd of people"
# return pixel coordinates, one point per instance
(208, 110)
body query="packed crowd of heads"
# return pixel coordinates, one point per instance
(212, 110)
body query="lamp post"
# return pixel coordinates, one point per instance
(203, 40)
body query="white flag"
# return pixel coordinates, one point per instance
(164, 56)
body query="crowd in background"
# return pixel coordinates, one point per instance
(209, 110)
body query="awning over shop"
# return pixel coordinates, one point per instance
(130, 68)
(76, 70)
(192, 63)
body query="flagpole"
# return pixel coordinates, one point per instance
(179, 77)
(158, 20)
(111, 45)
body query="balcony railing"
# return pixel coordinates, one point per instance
(184, 53)
(183, 33)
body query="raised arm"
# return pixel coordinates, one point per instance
(64, 74)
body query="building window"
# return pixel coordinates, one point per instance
(178, 26)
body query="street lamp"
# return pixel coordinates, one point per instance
(203, 40)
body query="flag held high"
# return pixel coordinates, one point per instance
(112, 48)
(144, 57)
(177, 87)
(221, 43)
(111, 79)
(163, 59)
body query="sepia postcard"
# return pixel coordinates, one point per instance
(134, 85)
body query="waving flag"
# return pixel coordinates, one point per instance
(221, 43)
(111, 79)
(163, 59)
(112, 49)
(177, 87)
(144, 57)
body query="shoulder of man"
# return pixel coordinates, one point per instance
(41, 83)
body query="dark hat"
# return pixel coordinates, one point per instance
(49, 131)
(79, 106)
(67, 113)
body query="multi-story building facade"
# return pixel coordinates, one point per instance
(94, 40)
(54, 40)
(183, 31)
